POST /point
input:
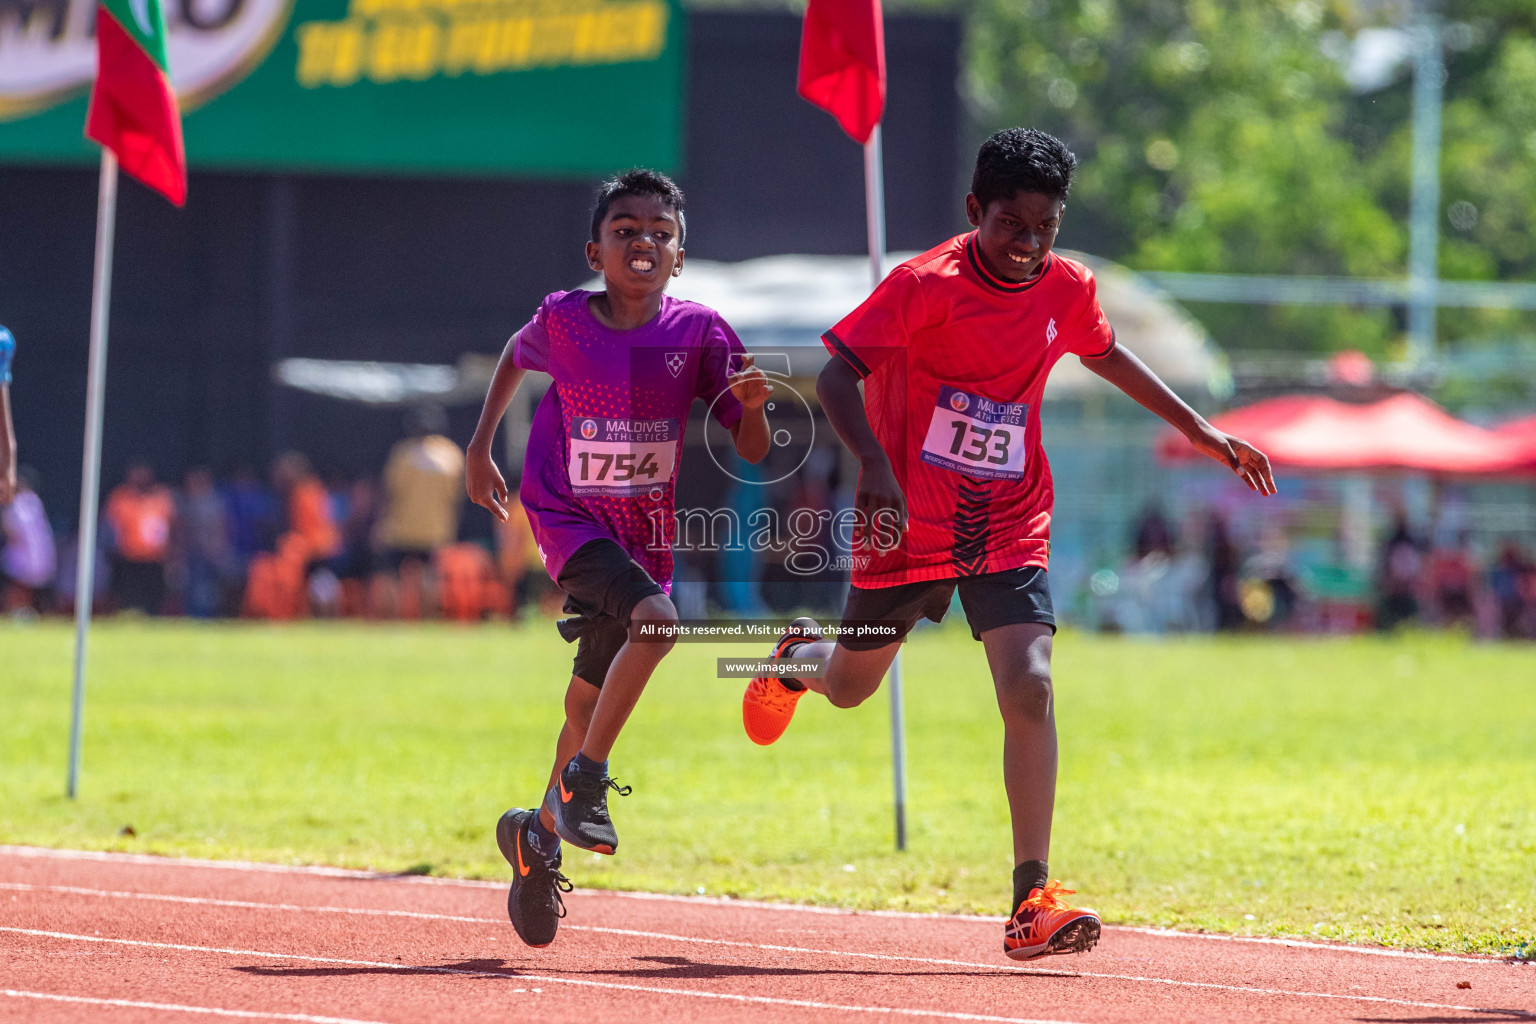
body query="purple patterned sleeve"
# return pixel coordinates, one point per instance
(530, 350)
(720, 345)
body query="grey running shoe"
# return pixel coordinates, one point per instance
(579, 803)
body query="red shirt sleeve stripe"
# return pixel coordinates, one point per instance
(1108, 350)
(835, 345)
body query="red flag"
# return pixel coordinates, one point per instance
(133, 110)
(842, 62)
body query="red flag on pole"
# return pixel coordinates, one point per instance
(842, 62)
(133, 110)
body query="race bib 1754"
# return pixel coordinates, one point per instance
(976, 436)
(616, 458)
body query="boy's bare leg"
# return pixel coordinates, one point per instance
(1020, 659)
(627, 676)
(580, 699)
(852, 676)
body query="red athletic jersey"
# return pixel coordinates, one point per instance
(954, 362)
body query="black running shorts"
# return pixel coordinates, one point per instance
(602, 586)
(990, 600)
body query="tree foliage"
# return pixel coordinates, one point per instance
(1224, 137)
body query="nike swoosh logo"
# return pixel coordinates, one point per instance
(522, 869)
(565, 794)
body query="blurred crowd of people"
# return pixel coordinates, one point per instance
(1205, 581)
(288, 546)
(294, 545)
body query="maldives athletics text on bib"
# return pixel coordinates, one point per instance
(976, 436)
(619, 458)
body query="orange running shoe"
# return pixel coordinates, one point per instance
(768, 704)
(1045, 924)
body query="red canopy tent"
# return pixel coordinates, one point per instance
(1522, 434)
(1406, 432)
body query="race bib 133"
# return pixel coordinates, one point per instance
(976, 436)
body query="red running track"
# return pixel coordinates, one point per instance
(121, 939)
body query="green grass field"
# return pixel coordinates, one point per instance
(1363, 790)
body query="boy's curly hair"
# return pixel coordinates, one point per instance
(1022, 160)
(638, 182)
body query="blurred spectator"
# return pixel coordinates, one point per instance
(355, 567)
(67, 550)
(27, 561)
(1513, 583)
(1153, 533)
(518, 563)
(294, 577)
(308, 506)
(1188, 575)
(1452, 581)
(7, 429)
(423, 490)
(1399, 575)
(1271, 599)
(253, 515)
(140, 513)
(1225, 561)
(204, 557)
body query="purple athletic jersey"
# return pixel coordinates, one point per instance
(607, 438)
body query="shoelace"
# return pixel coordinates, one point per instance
(560, 884)
(777, 698)
(592, 790)
(1049, 898)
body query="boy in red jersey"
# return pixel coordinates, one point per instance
(954, 492)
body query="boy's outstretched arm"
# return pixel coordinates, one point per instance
(7, 448)
(751, 387)
(1129, 374)
(482, 479)
(879, 493)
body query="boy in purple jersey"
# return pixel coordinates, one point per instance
(598, 483)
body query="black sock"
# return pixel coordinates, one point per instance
(586, 764)
(543, 840)
(790, 683)
(1028, 876)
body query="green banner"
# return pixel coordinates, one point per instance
(533, 88)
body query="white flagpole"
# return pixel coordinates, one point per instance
(874, 206)
(90, 471)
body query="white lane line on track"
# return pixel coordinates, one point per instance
(307, 1018)
(40, 852)
(1262, 940)
(739, 944)
(208, 901)
(1058, 972)
(580, 982)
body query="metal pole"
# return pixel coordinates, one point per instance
(1424, 208)
(899, 752)
(874, 205)
(90, 470)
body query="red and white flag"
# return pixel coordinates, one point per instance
(842, 62)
